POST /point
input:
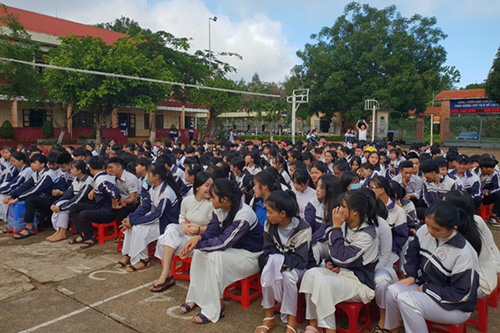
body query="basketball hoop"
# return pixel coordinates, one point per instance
(299, 96)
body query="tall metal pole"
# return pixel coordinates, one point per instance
(210, 39)
(432, 128)
(373, 121)
(294, 109)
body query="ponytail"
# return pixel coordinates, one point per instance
(225, 188)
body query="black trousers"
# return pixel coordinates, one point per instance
(123, 213)
(35, 203)
(84, 215)
(495, 200)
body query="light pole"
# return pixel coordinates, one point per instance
(210, 39)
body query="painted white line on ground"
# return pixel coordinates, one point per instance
(55, 320)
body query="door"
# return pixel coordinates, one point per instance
(126, 123)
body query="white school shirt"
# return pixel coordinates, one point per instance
(303, 198)
(362, 134)
(196, 212)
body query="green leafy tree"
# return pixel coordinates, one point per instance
(6, 130)
(102, 94)
(371, 53)
(492, 85)
(47, 130)
(15, 43)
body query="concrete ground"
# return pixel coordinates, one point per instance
(56, 287)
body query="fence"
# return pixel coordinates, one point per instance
(482, 128)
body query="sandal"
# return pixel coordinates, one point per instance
(88, 243)
(158, 288)
(187, 308)
(120, 264)
(205, 320)
(76, 240)
(145, 263)
(30, 232)
(265, 328)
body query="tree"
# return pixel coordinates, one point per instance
(102, 94)
(15, 43)
(371, 53)
(493, 82)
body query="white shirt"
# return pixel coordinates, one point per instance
(303, 198)
(196, 212)
(362, 134)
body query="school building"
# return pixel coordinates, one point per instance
(130, 122)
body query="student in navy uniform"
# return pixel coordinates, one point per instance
(466, 179)
(489, 258)
(20, 174)
(105, 196)
(76, 193)
(441, 273)
(318, 213)
(490, 186)
(226, 252)
(36, 192)
(354, 252)
(237, 167)
(148, 222)
(64, 177)
(286, 256)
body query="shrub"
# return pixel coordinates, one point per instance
(47, 130)
(6, 130)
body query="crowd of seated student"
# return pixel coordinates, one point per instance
(336, 223)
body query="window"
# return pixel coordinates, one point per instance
(35, 117)
(159, 121)
(82, 119)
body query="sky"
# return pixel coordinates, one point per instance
(268, 33)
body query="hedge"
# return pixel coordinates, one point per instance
(288, 137)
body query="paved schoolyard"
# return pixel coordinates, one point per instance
(56, 287)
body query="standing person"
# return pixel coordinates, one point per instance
(441, 273)
(362, 128)
(76, 193)
(147, 223)
(196, 212)
(285, 258)
(226, 252)
(231, 136)
(191, 134)
(349, 272)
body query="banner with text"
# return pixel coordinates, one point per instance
(467, 106)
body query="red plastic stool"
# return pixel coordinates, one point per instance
(484, 211)
(482, 318)
(301, 308)
(494, 296)
(106, 231)
(445, 328)
(249, 288)
(182, 271)
(353, 310)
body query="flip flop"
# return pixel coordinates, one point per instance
(146, 264)
(30, 232)
(158, 288)
(187, 307)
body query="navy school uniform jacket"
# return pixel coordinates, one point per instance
(104, 191)
(244, 232)
(161, 205)
(18, 178)
(76, 193)
(448, 272)
(297, 250)
(356, 250)
(313, 214)
(63, 181)
(40, 184)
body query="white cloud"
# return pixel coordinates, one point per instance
(258, 39)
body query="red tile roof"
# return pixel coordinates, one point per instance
(53, 26)
(461, 94)
(429, 111)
